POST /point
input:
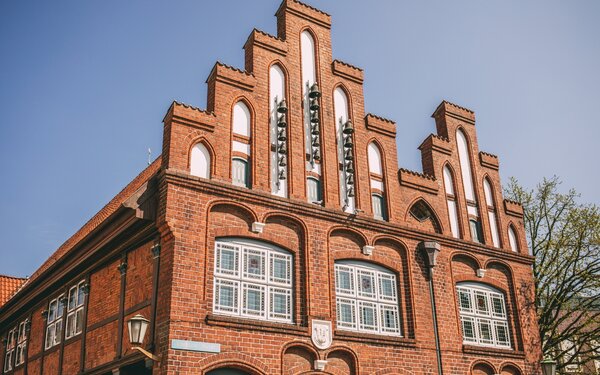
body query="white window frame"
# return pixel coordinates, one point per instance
(486, 321)
(358, 298)
(54, 322)
(10, 349)
(75, 310)
(247, 268)
(382, 215)
(21, 343)
(314, 192)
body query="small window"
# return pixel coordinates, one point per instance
(240, 173)
(379, 211)
(476, 230)
(366, 298)
(75, 310)
(10, 350)
(483, 315)
(200, 161)
(313, 187)
(21, 343)
(54, 322)
(512, 239)
(253, 280)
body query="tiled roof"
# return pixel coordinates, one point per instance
(8, 286)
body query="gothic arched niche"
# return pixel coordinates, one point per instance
(483, 369)
(297, 360)
(424, 217)
(342, 361)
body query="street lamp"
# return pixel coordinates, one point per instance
(137, 330)
(548, 366)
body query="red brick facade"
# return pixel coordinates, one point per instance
(151, 251)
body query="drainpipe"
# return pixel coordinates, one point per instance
(432, 249)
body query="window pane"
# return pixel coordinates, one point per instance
(464, 298)
(49, 336)
(280, 268)
(239, 172)
(254, 299)
(346, 314)
(227, 259)
(368, 316)
(281, 303)
(58, 333)
(377, 201)
(468, 327)
(314, 190)
(70, 328)
(72, 298)
(485, 331)
(389, 319)
(79, 321)
(52, 311)
(366, 281)
(498, 306)
(226, 296)
(344, 279)
(482, 303)
(254, 264)
(387, 287)
(80, 295)
(502, 333)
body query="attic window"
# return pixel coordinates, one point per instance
(420, 211)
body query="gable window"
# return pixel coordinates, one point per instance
(239, 172)
(54, 322)
(313, 187)
(379, 211)
(366, 298)
(21, 343)
(512, 239)
(200, 161)
(10, 350)
(75, 310)
(253, 280)
(483, 315)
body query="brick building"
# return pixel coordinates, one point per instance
(276, 234)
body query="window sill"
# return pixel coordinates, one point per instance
(256, 325)
(374, 338)
(497, 352)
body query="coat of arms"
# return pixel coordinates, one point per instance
(321, 334)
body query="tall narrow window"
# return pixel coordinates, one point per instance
(75, 310)
(366, 298)
(278, 134)
(10, 350)
(253, 280)
(451, 202)
(239, 172)
(377, 179)
(311, 106)
(21, 343)
(54, 322)
(200, 161)
(483, 315)
(491, 208)
(512, 239)
(345, 149)
(476, 230)
(469, 189)
(241, 128)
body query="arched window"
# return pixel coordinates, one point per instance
(512, 239)
(341, 104)
(313, 187)
(451, 202)
(278, 136)
(491, 208)
(469, 188)
(200, 161)
(377, 182)
(366, 298)
(253, 280)
(241, 119)
(483, 315)
(240, 172)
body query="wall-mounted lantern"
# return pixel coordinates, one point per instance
(138, 325)
(548, 366)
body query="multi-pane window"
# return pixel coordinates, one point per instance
(483, 315)
(253, 280)
(239, 172)
(366, 298)
(379, 211)
(10, 350)
(75, 310)
(21, 343)
(54, 322)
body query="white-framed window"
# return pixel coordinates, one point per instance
(240, 173)
(21, 343)
(379, 211)
(253, 280)
(54, 322)
(10, 349)
(200, 161)
(75, 306)
(476, 230)
(483, 315)
(313, 188)
(366, 298)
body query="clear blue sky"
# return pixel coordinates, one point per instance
(84, 86)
